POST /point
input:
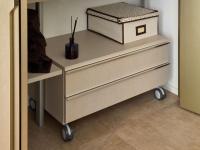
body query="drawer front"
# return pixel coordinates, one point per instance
(95, 100)
(81, 80)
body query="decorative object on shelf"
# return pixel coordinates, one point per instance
(38, 62)
(123, 22)
(71, 48)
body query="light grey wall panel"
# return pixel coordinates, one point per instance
(57, 13)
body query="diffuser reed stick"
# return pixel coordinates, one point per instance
(74, 28)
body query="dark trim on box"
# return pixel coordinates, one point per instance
(154, 11)
(141, 26)
(158, 29)
(104, 18)
(141, 19)
(87, 22)
(118, 18)
(101, 13)
(123, 33)
(104, 36)
(122, 22)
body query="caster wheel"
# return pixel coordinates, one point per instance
(32, 103)
(160, 94)
(67, 133)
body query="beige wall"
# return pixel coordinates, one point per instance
(63, 9)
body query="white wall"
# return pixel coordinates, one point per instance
(169, 27)
(57, 13)
(56, 21)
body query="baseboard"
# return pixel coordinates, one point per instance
(170, 87)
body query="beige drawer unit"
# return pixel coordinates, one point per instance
(91, 76)
(99, 98)
(103, 66)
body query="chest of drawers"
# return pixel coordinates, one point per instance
(106, 73)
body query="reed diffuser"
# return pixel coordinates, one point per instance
(71, 48)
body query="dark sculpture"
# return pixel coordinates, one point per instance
(38, 62)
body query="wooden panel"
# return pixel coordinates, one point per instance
(90, 102)
(189, 55)
(54, 97)
(35, 77)
(6, 91)
(16, 79)
(87, 78)
(23, 75)
(35, 1)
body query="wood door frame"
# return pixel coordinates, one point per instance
(23, 76)
(5, 77)
(179, 27)
(15, 79)
(9, 80)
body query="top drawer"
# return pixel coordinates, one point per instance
(88, 77)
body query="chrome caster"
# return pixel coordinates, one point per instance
(67, 133)
(32, 103)
(160, 94)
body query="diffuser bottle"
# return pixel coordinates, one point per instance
(71, 48)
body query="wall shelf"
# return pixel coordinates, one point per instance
(35, 1)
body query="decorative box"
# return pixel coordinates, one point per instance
(123, 22)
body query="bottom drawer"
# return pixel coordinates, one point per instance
(93, 101)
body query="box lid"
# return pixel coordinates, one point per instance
(122, 12)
